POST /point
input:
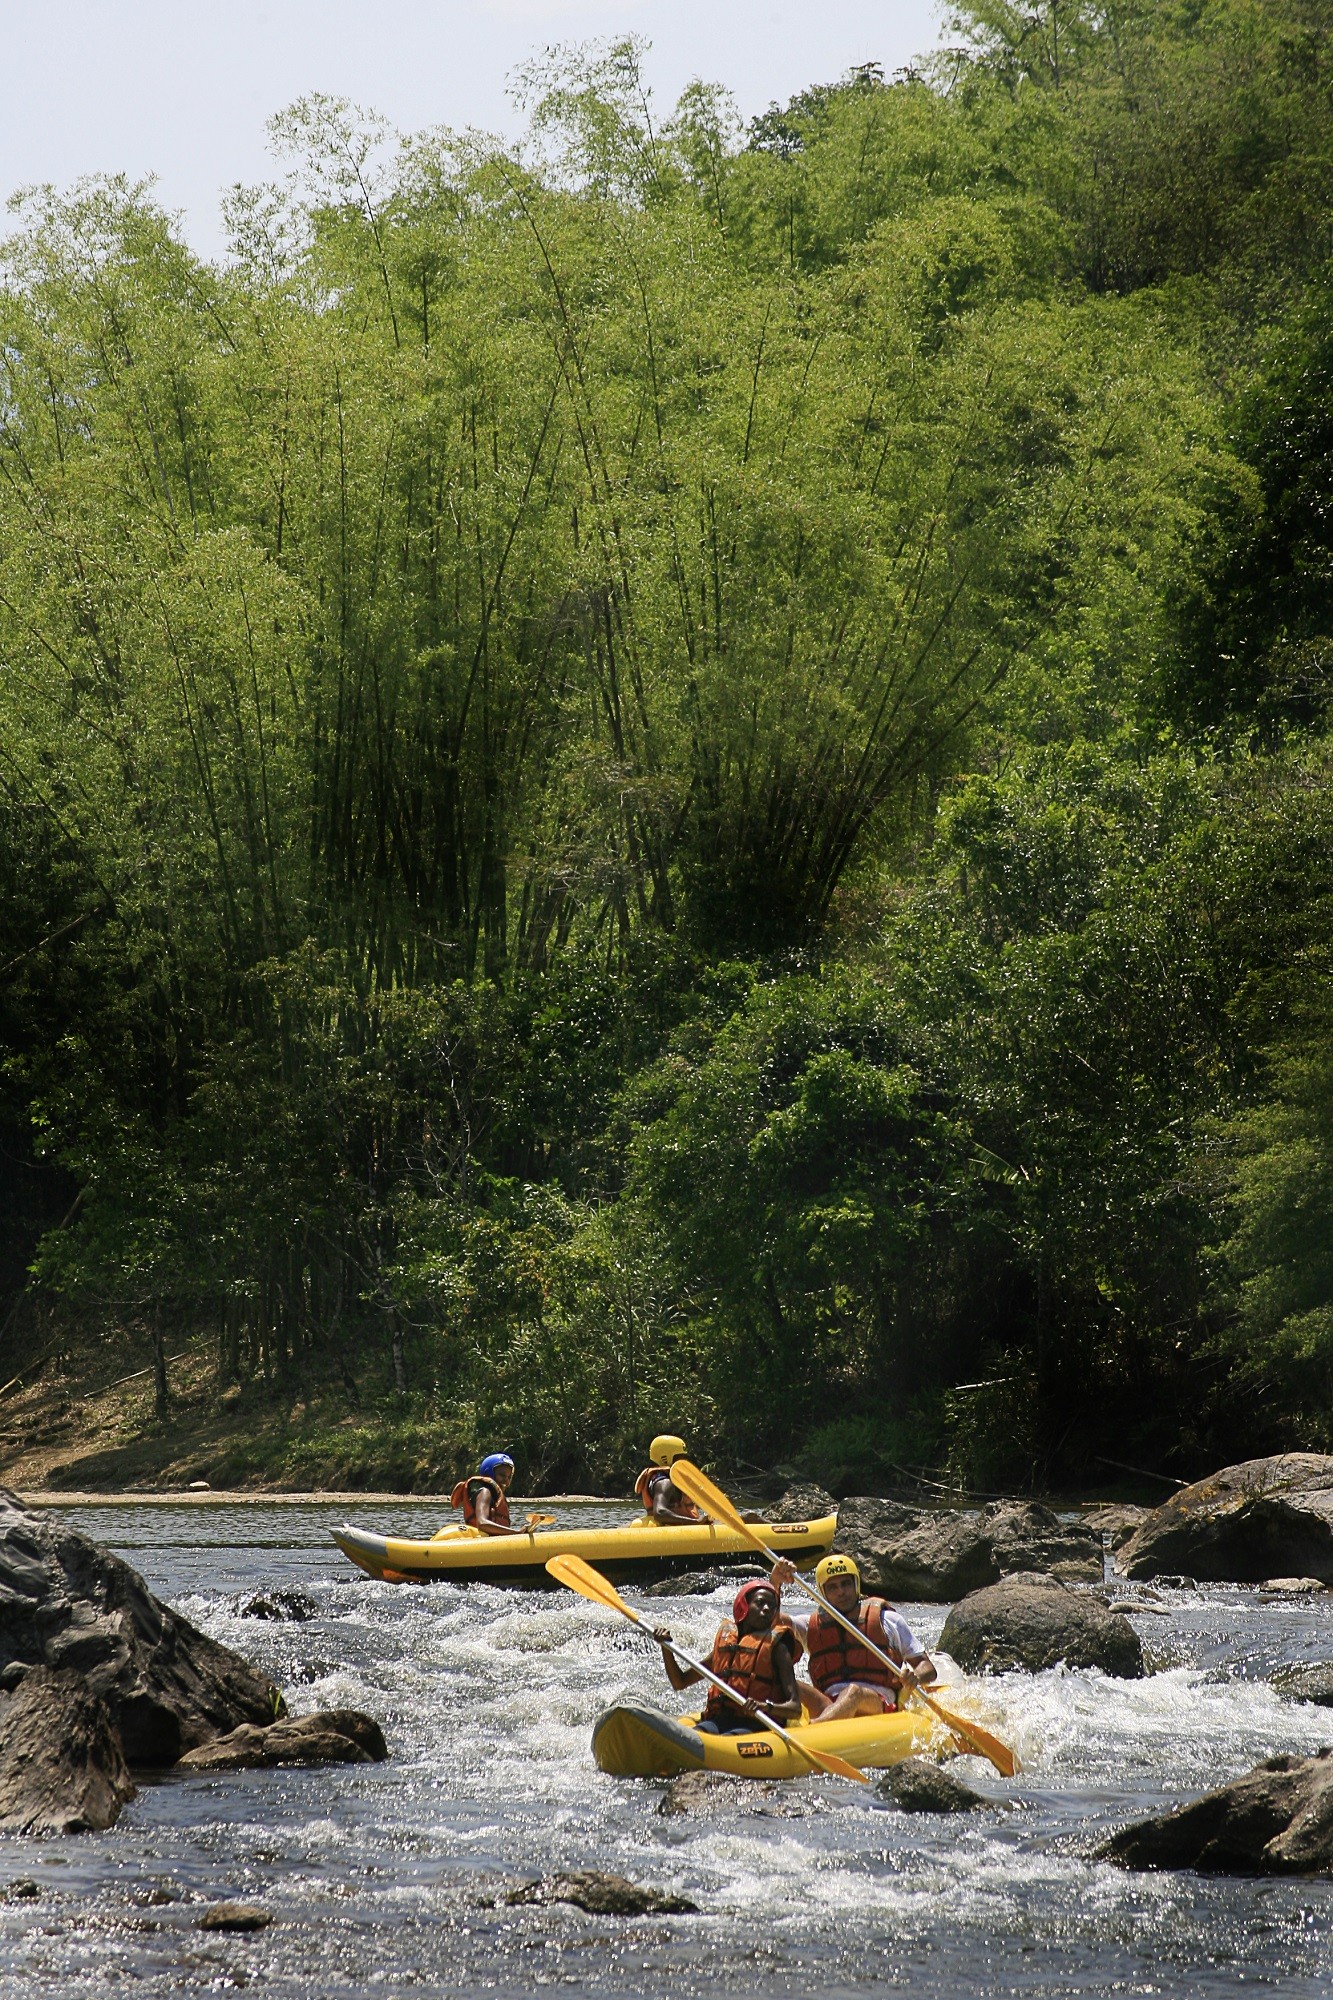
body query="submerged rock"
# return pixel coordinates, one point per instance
(916, 1786)
(66, 1602)
(702, 1582)
(287, 1605)
(1311, 1683)
(332, 1736)
(697, 1791)
(939, 1555)
(1276, 1820)
(62, 1768)
(1268, 1517)
(603, 1895)
(234, 1917)
(1035, 1622)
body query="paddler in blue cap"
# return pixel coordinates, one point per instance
(483, 1496)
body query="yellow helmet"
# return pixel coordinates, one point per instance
(836, 1566)
(663, 1450)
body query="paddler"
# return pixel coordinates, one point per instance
(755, 1652)
(846, 1678)
(483, 1497)
(661, 1498)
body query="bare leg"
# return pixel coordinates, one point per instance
(853, 1700)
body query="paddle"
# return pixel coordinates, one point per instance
(578, 1575)
(714, 1501)
(535, 1521)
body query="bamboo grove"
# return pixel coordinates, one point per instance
(660, 758)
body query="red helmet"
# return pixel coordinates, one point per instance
(740, 1604)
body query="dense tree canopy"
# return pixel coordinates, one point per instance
(681, 770)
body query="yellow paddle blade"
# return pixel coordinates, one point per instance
(837, 1767)
(578, 1575)
(976, 1738)
(539, 1520)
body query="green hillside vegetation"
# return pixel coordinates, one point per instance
(684, 772)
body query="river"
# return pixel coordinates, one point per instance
(390, 1879)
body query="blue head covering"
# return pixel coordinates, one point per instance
(492, 1464)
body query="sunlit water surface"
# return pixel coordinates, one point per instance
(392, 1878)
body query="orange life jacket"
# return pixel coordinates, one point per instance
(648, 1478)
(465, 1494)
(835, 1656)
(744, 1660)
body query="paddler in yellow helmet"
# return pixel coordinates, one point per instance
(846, 1677)
(663, 1500)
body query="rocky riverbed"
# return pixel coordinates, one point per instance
(398, 1876)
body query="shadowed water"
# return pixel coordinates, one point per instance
(391, 1878)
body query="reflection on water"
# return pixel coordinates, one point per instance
(386, 1878)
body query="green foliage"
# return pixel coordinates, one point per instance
(674, 773)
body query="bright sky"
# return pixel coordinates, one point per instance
(182, 88)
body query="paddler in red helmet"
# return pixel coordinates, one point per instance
(755, 1652)
(846, 1678)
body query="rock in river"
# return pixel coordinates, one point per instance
(234, 1917)
(916, 1786)
(1276, 1820)
(287, 1605)
(802, 1502)
(1270, 1517)
(1311, 1683)
(1034, 1622)
(331, 1736)
(65, 1602)
(939, 1555)
(603, 1895)
(62, 1769)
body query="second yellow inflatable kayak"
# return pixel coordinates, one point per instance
(634, 1741)
(642, 1549)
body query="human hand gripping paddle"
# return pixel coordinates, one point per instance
(578, 1575)
(714, 1501)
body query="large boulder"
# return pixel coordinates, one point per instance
(805, 1501)
(1270, 1517)
(1116, 1519)
(66, 1602)
(1276, 1820)
(62, 1769)
(331, 1736)
(939, 1555)
(1034, 1622)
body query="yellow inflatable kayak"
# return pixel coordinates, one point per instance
(633, 1741)
(644, 1549)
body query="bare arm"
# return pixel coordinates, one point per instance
(679, 1677)
(484, 1521)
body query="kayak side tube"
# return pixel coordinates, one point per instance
(639, 1550)
(632, 1740)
